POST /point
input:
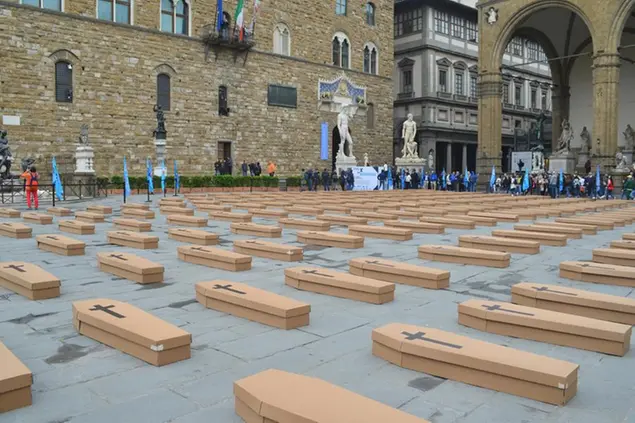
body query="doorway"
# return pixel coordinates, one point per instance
(224, 150)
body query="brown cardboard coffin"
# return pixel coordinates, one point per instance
(623, 244)
(609, 274)
(183, 220)
(193, 236)
(138, 213)
(254, 304)
(214, 257)
(383, 232)
(59, 211)
(500, 217)
(337, 219)
(373, 216)
(131, 330)
(135, 206)
(248, 228)
(172, 202)
(132, 225)
(547, 326)
(29, 280)
(339, 284)
(598, 223)
(37, 218)
(304, 210)
(571, 233)
(611, 308)
(274, 396)
(618, 256)
(229, 216)
(492, 243)
(416, 227)
(130, 266)
(76, 227)
(586, 229)
(461, 255)
(133, 239)
(267, 213)
(449, 222)
(61, 245)
(462, 359)
(15, 382)
(15, 230)
(270, 250)
(397, 272)
(554, 240)
(10, 213)
(334, 208)
(213, 207)
(305, 224)
(330, 239)
(478, 220)
(89, 217)
(628, 237)
(180, 211)
(99, 209)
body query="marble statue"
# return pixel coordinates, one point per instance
(629, 137)
(345, 135)
(564, 142)
(620, 161)
(586, 140)
(6, 158)
(431, 159)
(492, 15)
(408, 133)
(365, 159)
(160, 119)
(83, 135)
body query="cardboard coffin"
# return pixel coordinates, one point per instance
(191, 221)
(274, 396)
(99, 209)
(29, 280)
(623, 244)
(15, 230)
(229, 216)
(330, 239)
(334, 208)
(132, 225)
(462, 359)
(61, 245)
(76, 227)
(138, 213)
(193, 236)
(478, 220)
(586, 229)
(180, 211)
(397, 272)
(339, 284)
(131, 330)
(89, 217)
(305, 210)
(500, 217)
(618, 256)
(461, 255)
(337, 219)
(248, 228)
(10, 213)
(213, 207)
(492, 243)
(254, 304)
(15, 382)
(59, 211)
(214, 257)
(129, 266)
(547, 326)
(609, 274)
(611, 308)
(270, 250)
(382, 232)
(571, 233)
(135, 206)
(449, 222)
(416, 227)
(554, 240)
(133, 239)
(268, 213)
(37, 218)
(373, 216)
(305, 224)
(172, 202)
(628, 237)
(599, 224)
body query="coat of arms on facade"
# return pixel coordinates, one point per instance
(492, 15)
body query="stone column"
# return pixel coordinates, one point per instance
(490, 120)
(606, 79)
(448, 158)
(464, 158)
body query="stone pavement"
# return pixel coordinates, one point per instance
(79, 380)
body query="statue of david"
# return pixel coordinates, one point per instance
(345, 135)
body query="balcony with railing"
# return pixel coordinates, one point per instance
(226, 38)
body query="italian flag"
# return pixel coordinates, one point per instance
(239, 18)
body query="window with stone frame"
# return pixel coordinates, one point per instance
(443, 81)
(406, 80)
(408, 22)
(534, 97)
(341, 51)
(175, 16)
(370, 14)
(44, 4)
(533, 50)
(458, 83)
(506, 92)
(164, 91)
(473, 85)
(441, 22)
(515, 47)
(543, 98)
(370, 59)
(282, 40)
(370, 116)
(340, 7)
(223, 108)
(518, 93)
(471, 31)
(114, 10)
(63, 82)
(458, 27)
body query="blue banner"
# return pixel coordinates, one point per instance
(149, 175)
(492, 179)
(59, 189)
(390, 181)
(324, 142)
(177, 183)
(526, 182)
(219, 15)
(597, 178)
(126, 181)
(561, 181)
(163, 174)
(466, 178)
(443, 179)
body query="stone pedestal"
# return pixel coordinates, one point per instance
(537, 161)
(84, 160)
(160, 144)
(83, 185)
(565, 161)
(411, 163)
(583, 157)
(344, 163)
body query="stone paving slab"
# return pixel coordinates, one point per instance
(77, 379)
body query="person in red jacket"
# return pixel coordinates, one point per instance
(609, 188)
(31, 177)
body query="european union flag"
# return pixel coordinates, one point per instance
(126, 181)
(149, 175)
(59, 189)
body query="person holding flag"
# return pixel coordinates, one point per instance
(57, 183)
(126, 181)
(149, 175)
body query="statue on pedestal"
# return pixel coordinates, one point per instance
(564, 142)
(540, 129)
(431, 159)
(620, 161)
(6, 158)
(84, 154)
(365, 159)
(629, 137)
(408, 133)
(586, 140)
(160, 132)
(345, 136)
(83, 135)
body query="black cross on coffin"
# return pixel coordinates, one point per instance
(54, 238)
(546, 289)
(379, 263)
(228, 287)
(118, 257)
(16, 267)
(315, 272)
(200, 249)
(420, 336)
(107, 310)
(499, 308)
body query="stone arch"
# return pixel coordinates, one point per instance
(619, 20)
(64, 55)
(166, 69)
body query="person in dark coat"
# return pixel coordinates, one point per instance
(326, 180)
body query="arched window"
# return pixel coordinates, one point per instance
(163, 91)
(44, 4)
(341, 50)
(175, 16)
(370, 14)
(223, 110)
(63, 82)
(114, 10)
(340, 7)
(282, 40)
(370, 59)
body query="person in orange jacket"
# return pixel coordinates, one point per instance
(31, 177)
(271, 169)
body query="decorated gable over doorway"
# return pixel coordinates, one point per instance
(340, 92)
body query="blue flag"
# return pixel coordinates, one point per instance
(443, 182)
(597, 178)
(176, 178)
(466, 178)
(402, 178)
(219, 15)
(163, 172)
(526, 181)
(149, 175)
(561, 181)
(389, 178)
(59, 189)
(126, 182)
(492, 179)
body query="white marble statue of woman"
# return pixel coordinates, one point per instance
(345, 135)
(564, 142)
